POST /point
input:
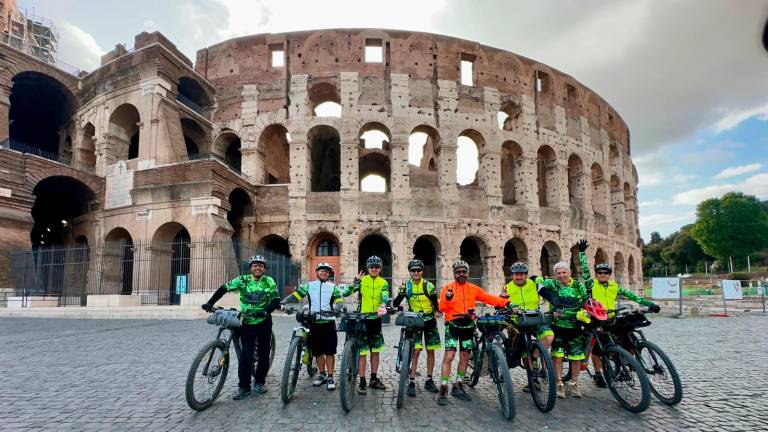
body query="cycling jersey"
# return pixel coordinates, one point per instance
(373, 293)
(465, 295)
(568, 298)
(420, 296)
(322, 296)
(608, 292)
(255, 296)
(525, 297)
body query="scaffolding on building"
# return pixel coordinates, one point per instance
(36, 36)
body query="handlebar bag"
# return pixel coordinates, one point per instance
(409, 320)
(225, 318)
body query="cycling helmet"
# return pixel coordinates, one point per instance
(519, 267)
(257, 259)
(604, 266)
(460, 264)
(595, 309)
(323, 265)
(373, 261)
(415, 264)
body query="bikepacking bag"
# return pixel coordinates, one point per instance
(531, 319)
(491, 322)
(225, 318)
(409, 319)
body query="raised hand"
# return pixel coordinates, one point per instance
(583, 244)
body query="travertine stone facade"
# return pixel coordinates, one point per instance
(557, 170)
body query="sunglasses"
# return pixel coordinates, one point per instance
(415, 270)
(604, 272)
(374, 267)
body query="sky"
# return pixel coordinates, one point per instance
(689, 77)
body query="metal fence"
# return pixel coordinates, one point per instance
(158, 273)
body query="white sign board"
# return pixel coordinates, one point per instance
(731, 289)
(665, 288)
(119, 186)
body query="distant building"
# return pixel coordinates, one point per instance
(33, 35)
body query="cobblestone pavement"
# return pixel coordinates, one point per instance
(94, 375)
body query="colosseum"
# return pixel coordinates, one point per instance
(150, 179)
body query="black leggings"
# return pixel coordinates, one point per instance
(259, 335)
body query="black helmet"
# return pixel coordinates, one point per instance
(415, 264)
(373, 261)
(323, 265)
(519, 267)
(257, 259)
(604, 266)
(460, 264)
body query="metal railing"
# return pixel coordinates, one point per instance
(26, 148)
(194, 106)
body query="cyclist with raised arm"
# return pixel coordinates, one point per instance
(605, 290)
(258, 299)
(566, 296)
(523, 293)
(374, 295)
(422, 297)
(456, 300)
(324, 296)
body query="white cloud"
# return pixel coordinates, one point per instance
(756, 185)
(77, 47)
(733, 119)
(657, 219)
(651, 203)
(739, 170)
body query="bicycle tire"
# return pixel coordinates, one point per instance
(292, 364)
(271, 355)
(476, 363)
(677, 395)
(348, 374)
(189, 388)
(614, 373)
(545, 361)
(405, 371)
(503, 382)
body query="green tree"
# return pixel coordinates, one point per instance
(655, 237)
(732, 226)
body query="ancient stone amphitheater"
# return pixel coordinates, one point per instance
(150, 167)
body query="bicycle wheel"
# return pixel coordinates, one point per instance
(207, 375)
(541, 377)
(271, 355)
(291, 369)
(405, 371)
(662, 375)
(475, 365)
(348, 375)
(626, 379)
(500, 373)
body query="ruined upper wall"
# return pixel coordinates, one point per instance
(425, 58)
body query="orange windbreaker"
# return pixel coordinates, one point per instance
(464, 297)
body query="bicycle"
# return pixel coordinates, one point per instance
(490, 327)
(214, 356)
(299, 352)
(663, 377)
(411, 323)
(523, 349)
(620, 369)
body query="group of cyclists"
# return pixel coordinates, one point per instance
(454, 302)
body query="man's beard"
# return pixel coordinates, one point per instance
(461, 279)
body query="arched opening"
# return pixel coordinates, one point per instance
(472, 250)
(509, 116)
(575, 262)
(228, 145)
(515, 250)
(325, 159)
(599, 192)
(427, 249)
(619, 268)
(470, 146)
(171, 264)
(550, 255)
(600, 256)
(275, 149)
(613, 155)
(58, 200)
(629, 208)
(324, 100)
(195, 139)
(180, 265)
(41, 109)
(512, 173)
(630, 283)
(192, 95)
(423, 152)
(617, 201)
(86, 153)
(546, 174)
(117, 271)
(575, 181)
(375, 135)
(123, 137)
(277, 251)
(241, 207)
(275, 244)
(378, 245)
(324, 247)
(374, 172)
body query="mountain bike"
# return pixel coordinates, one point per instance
(490, 345)
(411, 323)
(208, 372)
(664, 379)
(299, 353)
(523, 349)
